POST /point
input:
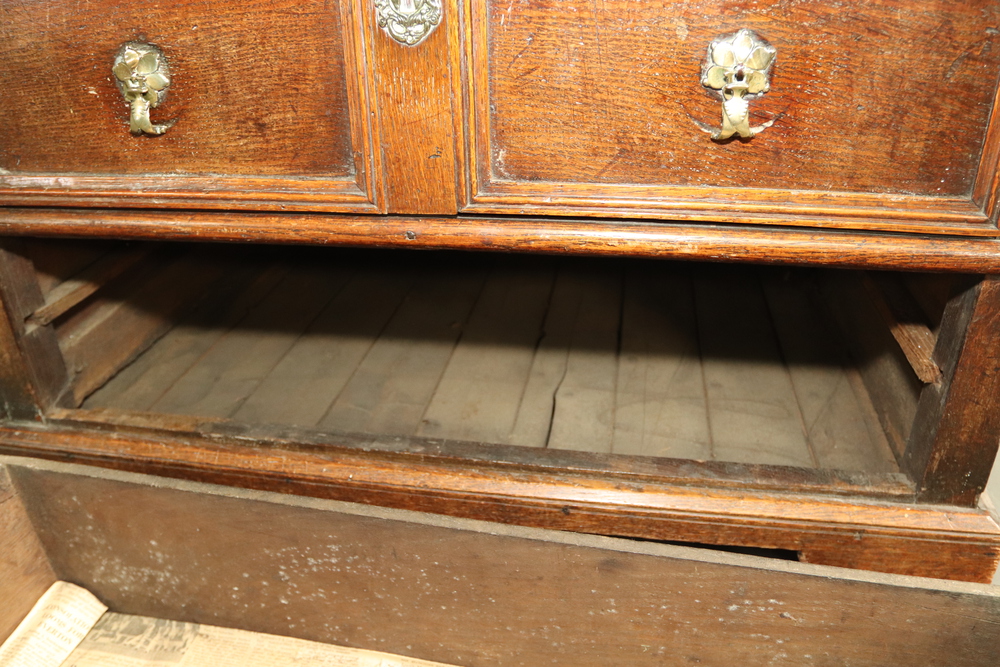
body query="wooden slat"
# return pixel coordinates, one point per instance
(835, 414)
(583, 416)
(78, 288)
(482, 387)
(548, 366)
(752, 409)
(33, 372)
(145, 381)
(660, 407)
(107, 334)
(473, 593)
(58, 260)
(301, 387)
(906, 322)
(228, 372)
(292, 441)
(392, 386)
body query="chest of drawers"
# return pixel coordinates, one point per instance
(530, 126)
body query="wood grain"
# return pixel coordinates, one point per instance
(243, 106)
(301, 387)
(957, 428)
(474, 594)
(391, 388)
(946, 542)
(583, 411)
(222, 378)
(258, 122)
(59, 260)
(79, 288)
(33, 374)
(903, 316)
(609, 95)
(25, 572)
(414, 89)
(572, 354)
(143, 382)
(660, 402)
(752, 408)
(836, 409)
(889, 379)
(578, 237)
(482, 391)
(101, 338)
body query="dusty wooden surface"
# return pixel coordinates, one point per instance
(25, 572)
(889, 379)
(479, 594)
(825, 516)
(107, 333)
(643, 358)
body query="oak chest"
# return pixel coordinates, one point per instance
(590, 381)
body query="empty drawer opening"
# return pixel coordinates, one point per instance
(623, 357)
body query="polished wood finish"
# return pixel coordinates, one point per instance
(416, 91)
(660, 501)
(472, 593)
(577, 237)
(264, 95)
(579, 106)
(954, 438)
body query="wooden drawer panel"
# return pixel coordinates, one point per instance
(465, 592)
(880, 110)
(261, 93)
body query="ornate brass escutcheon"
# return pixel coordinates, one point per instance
(408, 22)
(143, 77)
(739, 66)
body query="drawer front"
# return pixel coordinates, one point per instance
(259, 105)
(877, 113)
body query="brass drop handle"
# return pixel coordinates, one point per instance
(739, 66)
(143, 77)
(408, 22)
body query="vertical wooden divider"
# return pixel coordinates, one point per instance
(416, 97)
(32, 369)
(954, 437)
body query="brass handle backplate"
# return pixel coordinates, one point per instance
(739, 67)
(143, 78)
(408, 22)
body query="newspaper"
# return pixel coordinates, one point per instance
(86, 636)
(57, 623)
